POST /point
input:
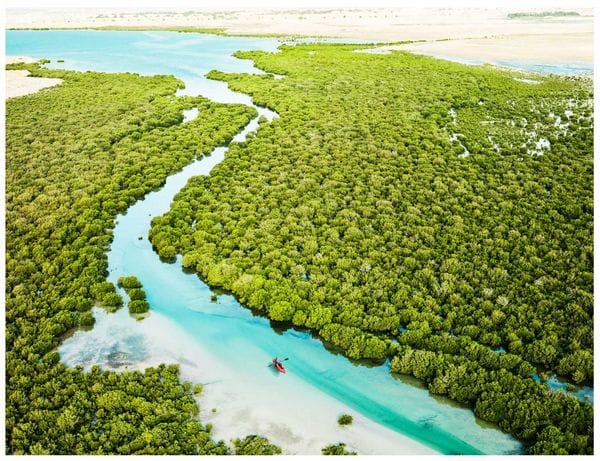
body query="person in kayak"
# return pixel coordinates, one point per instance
(278, 365)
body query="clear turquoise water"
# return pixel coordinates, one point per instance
(230, 332)
(187, 56)
(554, 383)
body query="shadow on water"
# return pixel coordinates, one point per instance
(442, 399)
(191, 271)
(164, 260)
(410, 380)
(284, 327)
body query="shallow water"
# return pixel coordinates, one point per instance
(554, 383)
(222, 344)
(190, 114)
(571, 68)
(187, 56)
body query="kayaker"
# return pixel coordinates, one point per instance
(278, 364)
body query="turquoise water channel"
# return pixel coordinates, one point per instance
(226, 331)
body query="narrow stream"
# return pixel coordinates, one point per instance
(228, 349)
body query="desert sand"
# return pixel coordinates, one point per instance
(368, 24)
(18, 82)
(475, 33)
(385, 25)
(542, 48)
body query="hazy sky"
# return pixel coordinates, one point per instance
(289, 4)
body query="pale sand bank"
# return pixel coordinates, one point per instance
(546, 48)
(381, 24)
(487, 34)
(244, 404)
(13, 59)
(18, 82)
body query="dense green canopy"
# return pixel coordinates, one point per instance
(255, 445)
(137, 296)
(336, 449)
(76, 156)
(414, 209)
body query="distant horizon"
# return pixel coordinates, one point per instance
(296, 9)
(296, 4)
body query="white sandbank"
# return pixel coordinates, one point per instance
(295, 416)
(18, 82)
(13, 59)
(545, 49)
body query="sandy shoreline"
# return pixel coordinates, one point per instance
(244, 405)
(546, 49)
(549, 38)
(18, 82)
(13, 59)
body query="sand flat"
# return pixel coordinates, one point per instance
(19, 83)
(542, 48)
(13, 59)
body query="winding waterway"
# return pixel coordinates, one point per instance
(221, 344)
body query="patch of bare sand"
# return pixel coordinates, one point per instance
(19, 83)
(13, 59)
(543, 48)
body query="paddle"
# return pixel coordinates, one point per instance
(287, 358)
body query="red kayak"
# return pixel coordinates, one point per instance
(278, 366)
